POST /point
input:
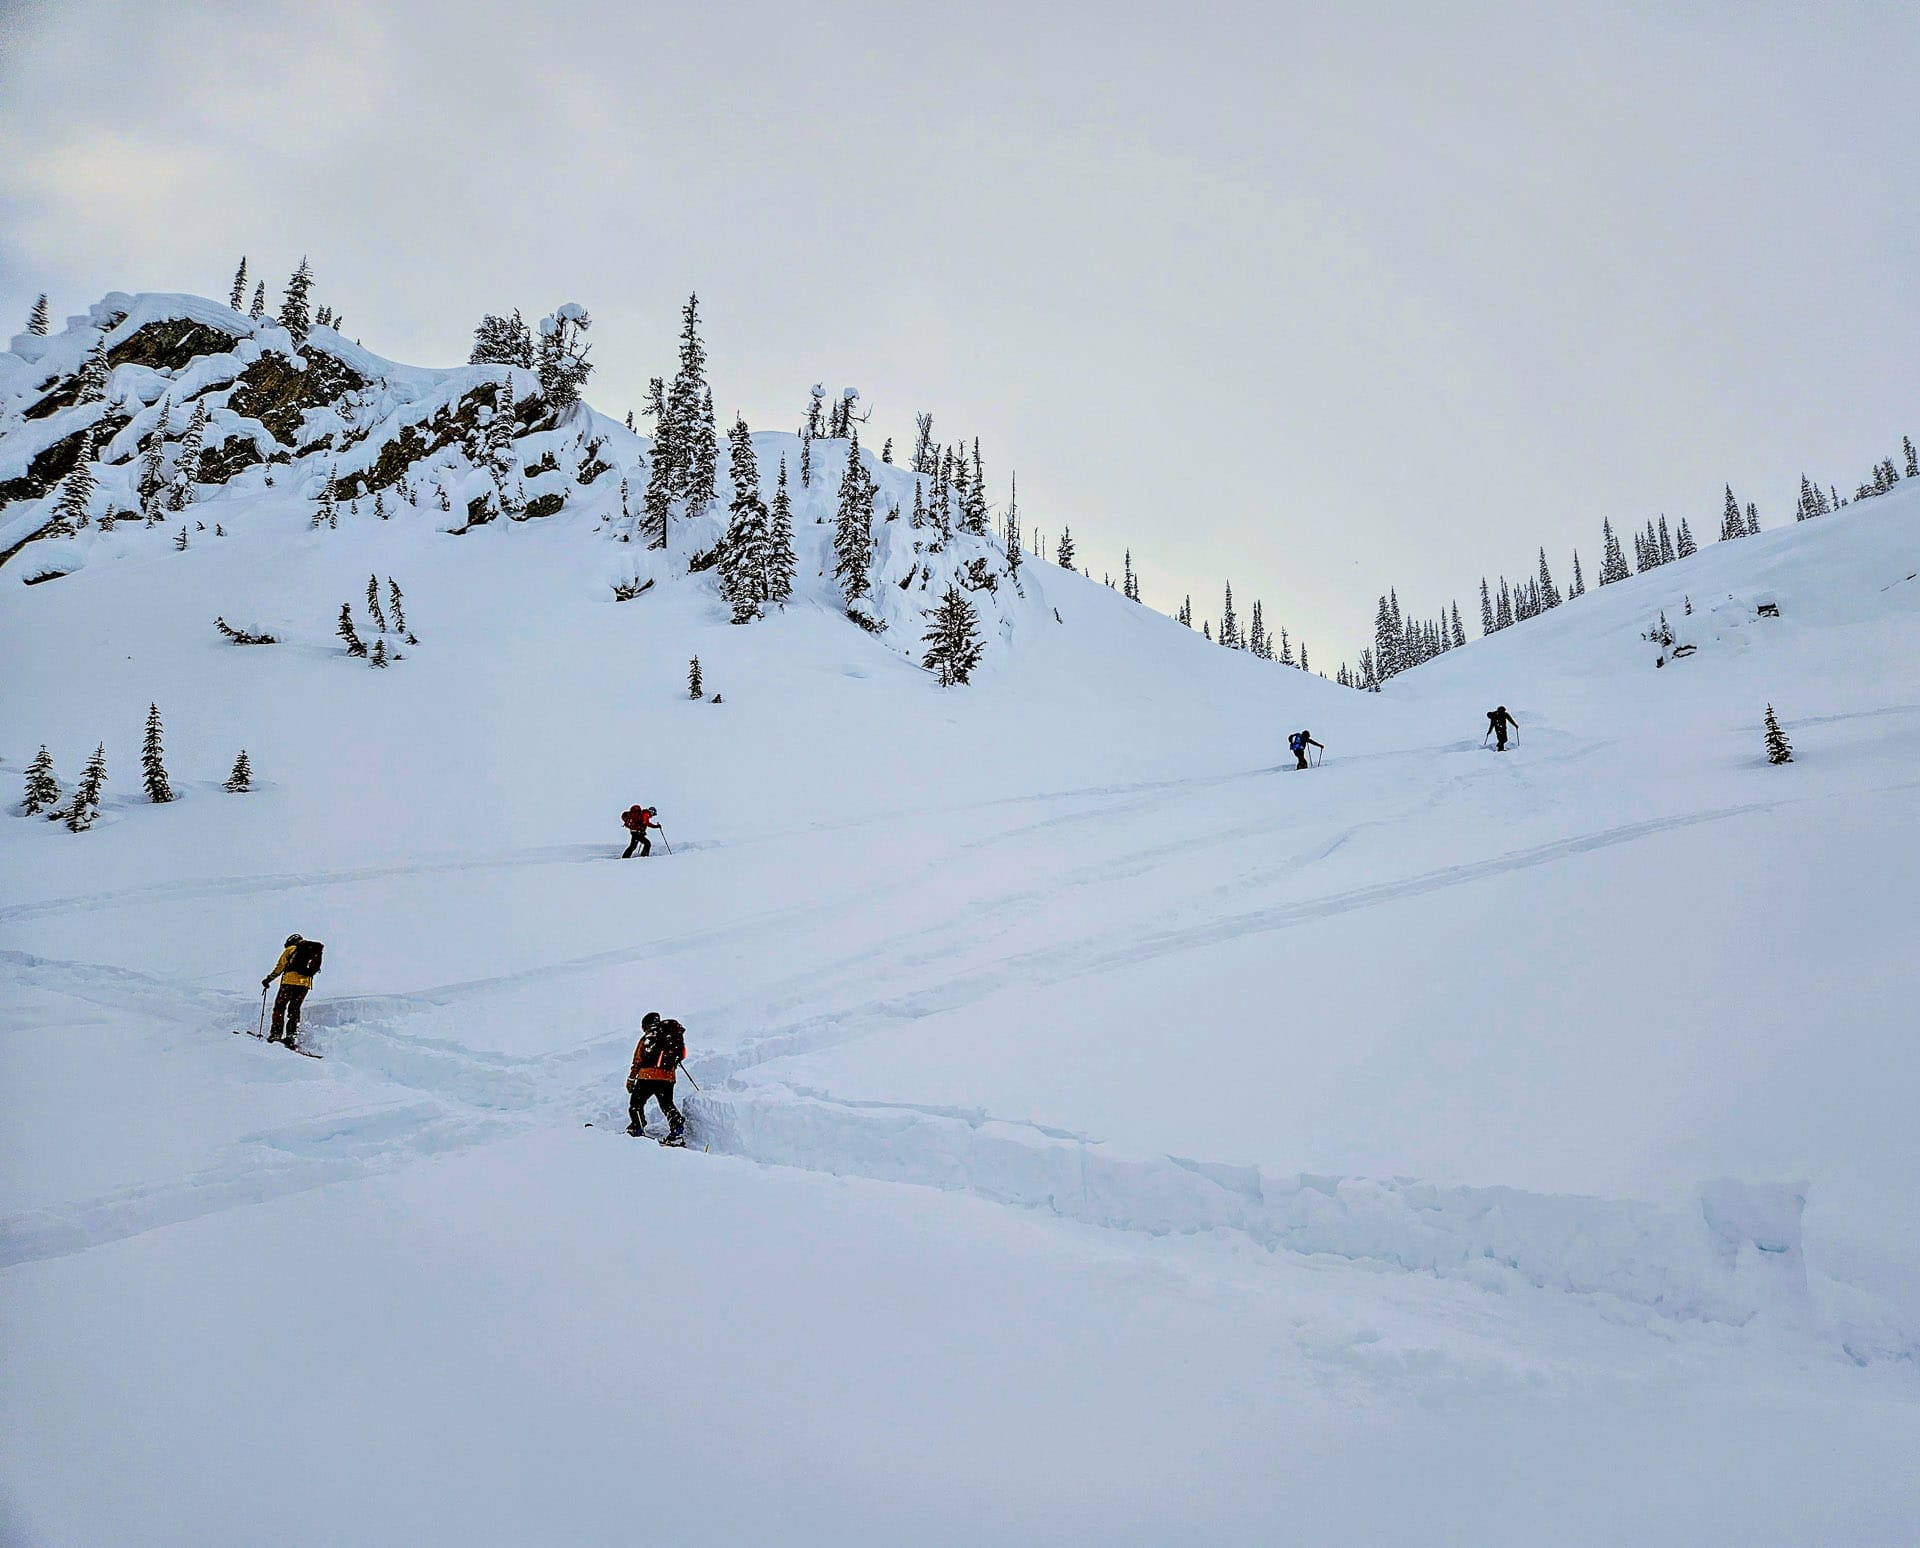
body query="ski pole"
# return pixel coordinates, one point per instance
(690, 1080)
(263, 1010)
(664, 839)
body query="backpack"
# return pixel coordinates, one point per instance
(633, 819)
(306, 958)
(1297, 741)
(666, 1046)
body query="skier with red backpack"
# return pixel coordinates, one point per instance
(298, 964)
(661, 1051)
(636, 820)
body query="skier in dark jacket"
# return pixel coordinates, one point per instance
(1497, 722)
(298, 963)
(661, 1051)
(636, 820)
(1299, 742)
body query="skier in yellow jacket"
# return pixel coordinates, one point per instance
(295, 970)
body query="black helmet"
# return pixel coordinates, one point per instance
(295, 938)
(649, 1021)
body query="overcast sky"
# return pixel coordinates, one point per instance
(1316, 298)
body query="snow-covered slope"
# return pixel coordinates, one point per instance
(1110, 1134)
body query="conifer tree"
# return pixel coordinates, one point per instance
(503, 341)
(1286, 648)
(684, 401)
(238, 298)
(560, 358)
(86, 796)
(694, 689)
(153, 478)
(886, 451)
(295, 315)
(953, 643)
(973, 507)
(323, 513)
(1126, 576)
(43, 788)
(180, 540)
(153, 768)
(40, 319)
(379, 656)
(852, 531)
(1805, 510)
(1913, 457)
(1063, 550)
(1613, 563)
(258, 309)
(1257, 631)
(806, 461)
(374, 611)
(76, 491)
(240, 781)
(1779, 749)
(1753, 517)
(1731, 526)
(345, 630)
(1549, 593)
(399, 612)
(1579, 587)
(186, 471)
(1185, 615)
(1013, 532)
(743, 560)
(1229, 625)
(703, 451)
(781, 562)
(1206, 630)
(1666, 541)
(1303, 657)
(661, 479)
(1686, 545)
(1486, 609)
(94, 372)
(1503, 608)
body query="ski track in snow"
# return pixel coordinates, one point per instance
(1736, 1254)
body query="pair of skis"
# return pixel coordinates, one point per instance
(305, 1053)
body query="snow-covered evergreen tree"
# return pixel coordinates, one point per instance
(240, 781)
(1731, 523)
(1549, 593)
(953, 643)
(973, 507)
(781, 562)
(1686, 544)
(1063, 550)
(1126, 577)
(503, 341)
(703, 452)
(259, 307)
(1486, 609)
(743, 558)
(1185, 615)
(355, 647)
(1753, 516)
(86, 796)
(238, 298)
(684, 401)
(1613, 563)
(40, 319)
(295, 315)
(560, 358)
(1257, 631)
(1666, 541)
(95, 371)
(853, 529)
(43, 786)
(1579, 586)
(694, 688)
(379, 656)
(1913, 457)
(399, 612)
(374, 610)
(152, 482)
(153, 766)
(1229, 624)
(186, 471)
(1459, 634)
(1779, 749)
(76, 491)
(1013, 531)
(1503, 607)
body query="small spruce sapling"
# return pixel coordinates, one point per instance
(379, 656)
(153, 767)
(180, 540)
(373, 604)
(346, 632)
(39, 320)
(86, 797)
(240, 781)
(1779, 749)
(43, 787)
(399, 613)
(694, 689)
